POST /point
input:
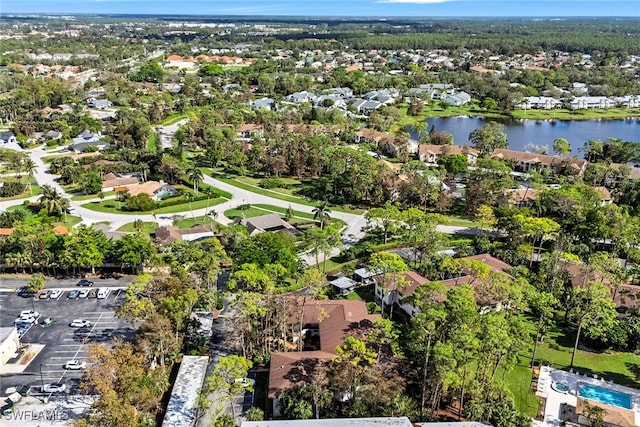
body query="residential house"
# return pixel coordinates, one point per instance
(628, 101)
(52, 135)
(250, 130)
(458, 98)
(263, 103)
(154, 189)
(325, 325)
(270, 222)
(300, 97)
(591, 102)
(7, 137)
(430, 153)
(605, 194)
(383, 96)
(85, 139)
(114, 182)
(521, 197)
(342, 92)
(433, 91)
(400, 296)
(387, 143)
(168, 234)
(343, 285)
(525, 162)
(330, 101)
(539, 103)
(100, 104)
(364, 106)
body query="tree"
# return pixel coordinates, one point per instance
(591, 308)
(321, 213)
(52, 202)
(454, 163)
(196, 176)
(387, 219)
(561, 146)
(393, 269)
(36, 283)
(488, 138)
(29, 166)
(133, 250)
(224, 375)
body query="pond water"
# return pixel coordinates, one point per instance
(523, 134)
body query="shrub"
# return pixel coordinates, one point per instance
(141, 202)
(269, 183)
(12, 188)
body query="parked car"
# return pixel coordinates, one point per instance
(83, 293)
(29, 314)
(74, 294)
(55, 294)
(23, 323)
(103, 293)
(80, 323)
(85, 282)
(7, 409)
(44, 294)
(75, 365)
(54, 388)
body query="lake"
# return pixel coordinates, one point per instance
(523, 134)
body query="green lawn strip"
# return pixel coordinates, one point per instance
(68, 221)
(461, 222)
(112, 206)
(189, 222)
(147, 227)
(152, 143)
(92, 196)
(611, 113)
(252, 212)
(277, 195)
(353, 296)
(174, 118)
(518, 381)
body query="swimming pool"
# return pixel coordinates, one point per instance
(605, 395)
(560, 387)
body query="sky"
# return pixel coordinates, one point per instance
(355, 8)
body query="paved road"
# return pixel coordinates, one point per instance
(352, 233)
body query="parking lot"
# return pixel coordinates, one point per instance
(62, 342)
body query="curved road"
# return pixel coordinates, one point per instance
(352, 233)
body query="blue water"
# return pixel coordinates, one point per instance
(605, 395)
(521, 133)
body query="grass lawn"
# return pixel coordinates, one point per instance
(152, 143)
(68, 221)
(92, 196)
(518, 380)
(113, 206)
(275, 193)
(461, 222)
(189, 222)
(147, 227)
(621, 368)
(353, 296)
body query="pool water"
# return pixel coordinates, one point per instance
(605, 395)
(560, 387)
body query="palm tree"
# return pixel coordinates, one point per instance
(52, 201)
(321, 213)
(138, 225)
(188, 196)
(196, 176)
(29, 166)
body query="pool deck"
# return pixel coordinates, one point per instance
(555, 399)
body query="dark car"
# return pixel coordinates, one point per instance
(85, 282)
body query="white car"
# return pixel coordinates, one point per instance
(84, 293)
(54, 388)
(80, 323)
(55, 294)
(75, 365)
(29, 315)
